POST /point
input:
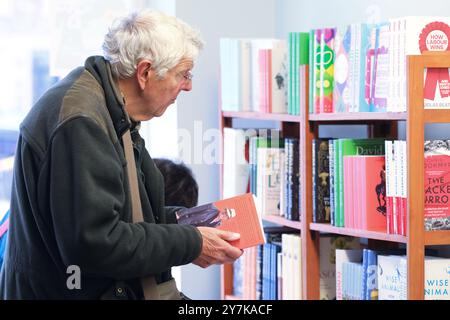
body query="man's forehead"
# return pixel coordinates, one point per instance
(185, 64)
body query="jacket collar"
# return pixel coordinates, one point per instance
(100, 68)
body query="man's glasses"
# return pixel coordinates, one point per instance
(187, 76)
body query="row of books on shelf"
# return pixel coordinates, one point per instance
(354, 68)
(267, 166)
(270, 271)
(364, 274)
(348, 185)
(362, 67)
(348, 270)
(357, 183)
(253, 75)
(362, 184)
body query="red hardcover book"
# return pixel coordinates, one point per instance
(374, 193)
(358, 202)
(236, 214)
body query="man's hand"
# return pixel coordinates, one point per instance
(216, 249)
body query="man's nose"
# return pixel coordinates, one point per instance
(187, 86)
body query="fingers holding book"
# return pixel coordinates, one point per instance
(216, 249)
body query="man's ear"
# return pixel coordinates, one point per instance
(143, 72)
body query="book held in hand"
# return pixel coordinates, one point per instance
(237, 214)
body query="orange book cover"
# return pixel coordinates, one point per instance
(236, 214)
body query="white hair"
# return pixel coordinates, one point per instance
(152, 35)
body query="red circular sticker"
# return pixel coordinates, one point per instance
(435, 37)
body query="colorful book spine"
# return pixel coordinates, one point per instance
(341, 78)
(389, 157)
(327, 69)
(379, 91)
(332, 173)
(317, 70)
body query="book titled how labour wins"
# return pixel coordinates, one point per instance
(236, 214)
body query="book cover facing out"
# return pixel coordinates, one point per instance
(437, 185)
(436, 92)
(236, 214)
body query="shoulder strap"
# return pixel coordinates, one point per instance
(149, 286)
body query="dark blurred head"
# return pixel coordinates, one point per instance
(180, 187)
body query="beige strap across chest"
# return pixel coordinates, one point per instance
(149, 285)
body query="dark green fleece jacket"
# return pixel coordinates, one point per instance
(70, 202)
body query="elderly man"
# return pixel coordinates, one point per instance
(71, 206)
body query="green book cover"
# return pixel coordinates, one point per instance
(337, 150)
(304, 48)
(295, 73)
(291, 72)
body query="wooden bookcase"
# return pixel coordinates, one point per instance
(306, 127)
(290, 126)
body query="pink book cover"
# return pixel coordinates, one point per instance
(358, 182)
(363, 195)
(375, 193)
(269, 80)
(356, 195)
(318, 67)
(348, 192)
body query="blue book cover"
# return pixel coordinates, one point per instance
(371, 278)
(364, 276)
(238, 278)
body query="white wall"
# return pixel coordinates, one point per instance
(302, 15)
(199, 108)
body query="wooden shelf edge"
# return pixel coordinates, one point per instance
(437, 237)
(283, 221)
(436, 115)
(358, 116)
(325, 227)
(261, 116)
